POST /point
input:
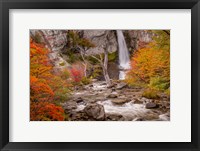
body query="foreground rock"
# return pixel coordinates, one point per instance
(137, 101)
(165, 117)
(114, 117)
(95, 111)
(69, 105)
(113, 95)
(151, 105)
(121, 86)
(120, 101)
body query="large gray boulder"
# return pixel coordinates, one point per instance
(95, 111)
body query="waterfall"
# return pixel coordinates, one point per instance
(124, 61)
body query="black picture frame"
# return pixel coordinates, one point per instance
(5, 5)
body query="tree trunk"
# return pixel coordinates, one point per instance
(85, 69)
(106, 76)
(105, 67)
(85, 63)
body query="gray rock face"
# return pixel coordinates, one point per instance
(55, 41)
(139, 36)
(96, 111)
(98, 38)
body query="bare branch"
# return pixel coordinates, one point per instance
(96, 58)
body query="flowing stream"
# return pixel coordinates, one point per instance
(124, 61)
(130, 111)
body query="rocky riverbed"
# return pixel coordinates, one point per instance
(118, 102)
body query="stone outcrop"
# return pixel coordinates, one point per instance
(98, 38)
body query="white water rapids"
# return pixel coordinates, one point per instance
(124, 61)
(129, 110)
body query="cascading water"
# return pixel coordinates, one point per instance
(124, 61)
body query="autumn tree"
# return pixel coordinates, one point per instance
(151, 65)
(45, 111)
(46, 88)
(40, 73)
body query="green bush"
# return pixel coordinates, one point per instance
(62, 95)
(158, 83)
(112, 56)
(150, 94)
(167, 91)
(85, 81)
(97, 71)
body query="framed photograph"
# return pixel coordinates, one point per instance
(99, 75)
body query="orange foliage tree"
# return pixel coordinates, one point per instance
(45, 87)
(149, 62)
(150, 65)
(45, 111)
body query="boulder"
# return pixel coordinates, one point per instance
(114, 117)
(79, 100)
(120, 101)
(77, 116)
(137, 101)
(95, 111)
(69, 105)
(164, 117)
(113, 95)
(145, 100)
(151, 105)
(121, 86)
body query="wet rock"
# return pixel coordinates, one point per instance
(137, 101)
(120, 100)
(70, 105)
(111, 86)
(145, 100)
(121, 86)
(151, 116)
(164, 117)
(95, 111)
(138, 119)
(78, 116)
(91, 85)
(79, 100)
(151, 105)
(114, 117)
(113, 95)
(166, 104)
